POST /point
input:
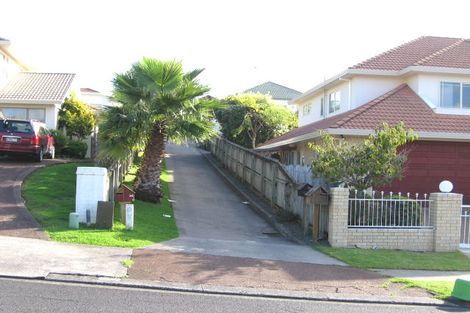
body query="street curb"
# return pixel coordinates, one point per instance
(254, 203)
(245, 292)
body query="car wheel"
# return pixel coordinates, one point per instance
(39, 156)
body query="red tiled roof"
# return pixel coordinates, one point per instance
(401, 104)
(423, 51)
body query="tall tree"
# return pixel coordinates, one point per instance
(251, 119)
(159, 102)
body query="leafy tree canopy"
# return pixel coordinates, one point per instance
(376, 161)
(76, 117)
(251, 119)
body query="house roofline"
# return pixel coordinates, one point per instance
(39, 101)
(370, 72)
(422, 135)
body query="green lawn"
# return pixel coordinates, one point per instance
(394, 259)
(50, 196)
(441, 289)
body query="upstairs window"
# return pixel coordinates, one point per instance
(455, 95)
(306, 109)
(334, 102)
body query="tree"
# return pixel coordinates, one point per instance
(251, 119)
(76, 117)
(159, 102)
(376, 161)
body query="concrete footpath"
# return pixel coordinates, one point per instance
(425, 275)
(34, 258)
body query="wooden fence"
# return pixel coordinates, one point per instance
(116, 173)
(264, 175)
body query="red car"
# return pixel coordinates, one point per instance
(26, 138)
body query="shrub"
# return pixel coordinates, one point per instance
(69, 148)
(75, 149)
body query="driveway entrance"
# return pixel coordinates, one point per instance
(213, 219)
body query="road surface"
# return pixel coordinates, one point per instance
(41, 296)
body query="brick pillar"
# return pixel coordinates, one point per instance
(446, 209)
(338, 217)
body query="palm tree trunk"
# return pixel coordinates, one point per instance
(148, 185)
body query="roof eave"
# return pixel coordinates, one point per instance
(337, 78)
(39, 101)
(351, 72)
(422, 135)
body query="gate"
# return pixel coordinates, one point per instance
(465, 227)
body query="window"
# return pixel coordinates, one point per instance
(306, 109)
(455, 95)
(334, 102)
(24, 114)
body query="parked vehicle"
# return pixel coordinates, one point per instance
(23, 137)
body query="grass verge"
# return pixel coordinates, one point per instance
(50, 196)
(440, 289)
(396, 259)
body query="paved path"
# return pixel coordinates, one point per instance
(15, 219)
(25, 257)
(425, 275)
(213, 219)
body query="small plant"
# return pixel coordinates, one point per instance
(127, 263)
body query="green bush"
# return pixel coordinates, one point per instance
(75, 149)
(69, 148)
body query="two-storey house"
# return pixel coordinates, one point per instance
(30, 95)
(425, 83)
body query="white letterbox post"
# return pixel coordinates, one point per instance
(129, 216)
(92, 186)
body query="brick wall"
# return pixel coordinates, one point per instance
(443, 235)
(402, 239)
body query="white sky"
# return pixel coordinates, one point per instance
(239, 43)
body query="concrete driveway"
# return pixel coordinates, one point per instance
(15, 219)
(213, 219)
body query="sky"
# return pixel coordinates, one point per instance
(240, 44)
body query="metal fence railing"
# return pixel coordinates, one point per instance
(378, 209)
(465, 227)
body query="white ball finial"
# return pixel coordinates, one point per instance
(446, 186)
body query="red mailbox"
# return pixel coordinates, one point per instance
(125, 194)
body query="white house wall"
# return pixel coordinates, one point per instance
(8, 67)
(367, 88)
(51, 112)
(314, 114)
(429, 85)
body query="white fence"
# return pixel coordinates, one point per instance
(465, 227)
(378, 209)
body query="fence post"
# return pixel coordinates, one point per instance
(446, 209)
(338, 217)
(263, 178)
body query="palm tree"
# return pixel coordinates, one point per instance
(159, 102)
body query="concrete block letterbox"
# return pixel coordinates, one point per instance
(92, 186)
